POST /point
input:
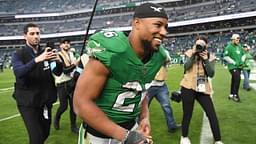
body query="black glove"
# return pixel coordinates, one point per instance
(134, 137)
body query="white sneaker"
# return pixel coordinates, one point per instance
(230, 96)
(184, 140)
(218, 142)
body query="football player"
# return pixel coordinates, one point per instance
(110, 93)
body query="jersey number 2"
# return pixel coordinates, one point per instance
(119, 104)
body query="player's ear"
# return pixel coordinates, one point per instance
(136, 22)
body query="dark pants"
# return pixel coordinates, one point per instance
(37, 125)
(65, 93)
(235, 81)
(188, 98)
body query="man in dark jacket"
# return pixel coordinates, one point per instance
(35, 91)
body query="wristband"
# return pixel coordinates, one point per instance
(126, 136)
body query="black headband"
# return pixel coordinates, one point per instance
(149, 10)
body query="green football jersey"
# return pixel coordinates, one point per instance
(124, 90)
(235, 52)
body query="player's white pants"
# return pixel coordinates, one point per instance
(90, 139)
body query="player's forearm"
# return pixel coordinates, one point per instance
(144, 109)
(144, 124)
(97, 119)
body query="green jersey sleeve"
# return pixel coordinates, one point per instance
(104, 44)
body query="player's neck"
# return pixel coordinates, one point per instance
(136, 45)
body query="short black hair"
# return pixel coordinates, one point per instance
(65, 40)
(25, 29)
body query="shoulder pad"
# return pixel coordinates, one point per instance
(112, 41)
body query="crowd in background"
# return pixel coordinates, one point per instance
(30, 6)
(179, 11)
(181, 43)
(176, 44)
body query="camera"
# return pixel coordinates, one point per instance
(176, 96)
(51, 45)
(200, 48)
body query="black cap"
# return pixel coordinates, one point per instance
(65, 40)
(149, 10)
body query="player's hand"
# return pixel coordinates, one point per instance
(135, 137)
(144, 127)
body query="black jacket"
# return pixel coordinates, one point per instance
(36, 87)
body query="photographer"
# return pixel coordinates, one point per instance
(35, 91)
(65, 86)
(195, 86)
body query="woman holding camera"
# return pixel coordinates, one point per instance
(195, 86)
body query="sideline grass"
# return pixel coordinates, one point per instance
(237, 120)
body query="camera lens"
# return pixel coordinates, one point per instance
(48, 50)
(200, 48)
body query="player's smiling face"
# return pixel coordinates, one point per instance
(153, 30)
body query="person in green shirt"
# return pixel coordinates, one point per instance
(247, 58)
(233, 53)
(110, 94)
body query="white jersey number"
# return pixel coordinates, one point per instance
(119, 104)
(110, 34)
